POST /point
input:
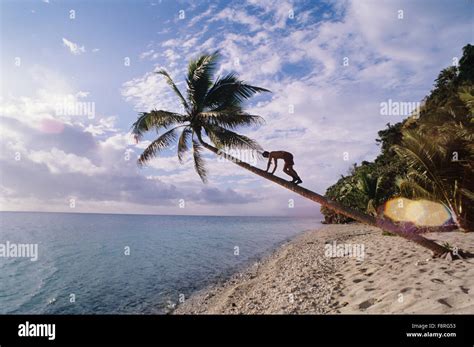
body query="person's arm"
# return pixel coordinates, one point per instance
(269, 163)
(275, 163)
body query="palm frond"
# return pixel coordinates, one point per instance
(419, 176)
(199, 80)
(423, 180)
(173, 86)
(432, 173)
(466, 94)
(186, 135)
(230, 118)
(364, 183)
(224, 138)
(165, 140)
(156, 119)
(467, 193)
(413, 190)
(199, 164)
(419, 152)
(418, 159)
(230, 91)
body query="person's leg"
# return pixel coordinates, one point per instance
(287, 170)
(296, 178)
(292, 173)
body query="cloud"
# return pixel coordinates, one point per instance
(224, 197)
(74, 48)
(150, 92)
(279, 12)
(171, 55)
(150, 54)
(201, 16)
(106, 125)
(89, 160)
(238, 16)
(59, 161)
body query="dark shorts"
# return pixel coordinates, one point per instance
(290, 161)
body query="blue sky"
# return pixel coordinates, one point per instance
(329, 64)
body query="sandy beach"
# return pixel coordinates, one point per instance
(346, 269)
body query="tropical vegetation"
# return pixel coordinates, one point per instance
(429, 155)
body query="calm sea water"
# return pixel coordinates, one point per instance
(84, 255)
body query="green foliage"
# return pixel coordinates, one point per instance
(430, 156)
(466, 64)
(370, 186)
(367, 187)
(343, 191)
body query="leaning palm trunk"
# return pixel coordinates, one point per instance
(407, 231)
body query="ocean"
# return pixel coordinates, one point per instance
(126, 264)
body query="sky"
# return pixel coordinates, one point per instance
(75, 75)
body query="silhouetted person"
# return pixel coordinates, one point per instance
(287, 168)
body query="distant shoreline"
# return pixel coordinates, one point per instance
(394, 276)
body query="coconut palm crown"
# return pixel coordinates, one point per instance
(211, 107)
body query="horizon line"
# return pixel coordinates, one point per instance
(160, 215)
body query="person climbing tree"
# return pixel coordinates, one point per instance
(287, 168)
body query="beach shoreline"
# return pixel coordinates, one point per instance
(350, 269)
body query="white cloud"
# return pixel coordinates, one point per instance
(171, 55)
(45, 109)
(74, 48)
(105, 125)
(171, 43)
(201, 16)
(118, 141)
(280, 12)
(147, 54)
(60, 162)
(272, 65)
(238, 16)
(150, 92)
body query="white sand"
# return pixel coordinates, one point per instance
(395, 276)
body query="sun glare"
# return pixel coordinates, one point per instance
(419, 212)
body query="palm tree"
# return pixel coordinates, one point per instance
(215, 109)
(369, 185)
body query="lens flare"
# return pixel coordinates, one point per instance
(51, 126)
(419, 212)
